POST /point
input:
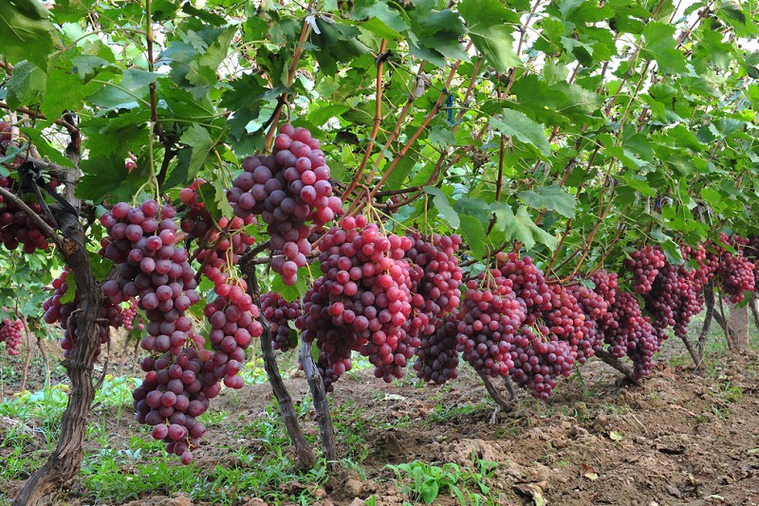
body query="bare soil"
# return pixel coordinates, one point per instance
(680, 438)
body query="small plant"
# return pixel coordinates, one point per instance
(429, 480)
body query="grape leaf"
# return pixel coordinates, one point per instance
(26, 36)
(486, 21)
(553, 198)
(476, 208)
(515, 124)
(660, 45)
(26, 85)
(443, 206)
(474, 234)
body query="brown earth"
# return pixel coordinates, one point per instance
(680, 438)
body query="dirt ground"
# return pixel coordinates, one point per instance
(680, 438)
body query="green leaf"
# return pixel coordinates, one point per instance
(429, 491)
(441, 136)
(443, 206)
(520, 227)
(473, 232)
(731, 13)
(379, 10)
(553, 198)
(133, 88)
(486, 21)
(87, 66)
(44, 148)
(476, 208)
(101, 267)
(201, 145)
(661, 46)
(26, 86)
(26, 35)
(516, 124)
(70, 294)
(107, 177)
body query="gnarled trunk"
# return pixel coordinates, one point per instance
(65, 462)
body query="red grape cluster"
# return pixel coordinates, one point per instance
(197, 221)
(362, 302)
(437, 358)
(435, 278)
(488, 323)
(157, 271)
(624, 328)
(645, 264)
(675, 297)
(175, 391)
(278, 312)
(288, 189)
(58, 311)
(11, 333)
(736, 276)
(546, 346)
(5, 135)
(16, 228)
(704, 264)
(539, 358)
(129, 315)
(594, 307)
(152, 269)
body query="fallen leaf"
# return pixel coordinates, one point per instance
(615, 436)
(534, 491)
(588, 472)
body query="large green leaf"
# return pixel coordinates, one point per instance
(26, 86)
(515, 124)
(443, 206)
(473, 232)
(486, 21)
(26, 34)
(661, 46)
(552, 198)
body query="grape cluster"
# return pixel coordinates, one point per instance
(18, 229)
(129, 315)
(539, 358)
(175, 391)
(11, 333)
(676, 297)
(488, 323)
(152, 269)
(437, 358)
(546, 346)
(288, 189)
(5, 135)
(435, 279)
(362, 302)
(197, 221)
(645, 264)
(58, 311)
(624, 328)
(278, 312)
(736, 276)
(594, 307)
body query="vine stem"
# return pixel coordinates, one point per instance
(415, 136)
(36, 218)
(36, 114)
(305, 31)
(377, 121)
(321, 405)
(303, 450)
